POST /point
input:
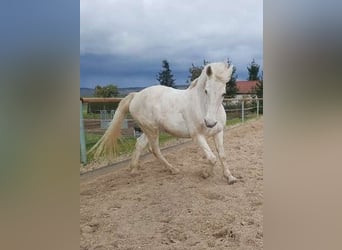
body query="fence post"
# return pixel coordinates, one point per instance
(82, 138)
(243, 110)
(257, 107)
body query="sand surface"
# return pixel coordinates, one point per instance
(157, 210)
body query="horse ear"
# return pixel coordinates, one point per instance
(209, 71)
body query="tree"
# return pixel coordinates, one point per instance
(231, 88)
(259, 89)
(165, 76)
(107, 91)
(195, 71)
(253, 71)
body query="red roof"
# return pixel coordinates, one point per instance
(245, 87)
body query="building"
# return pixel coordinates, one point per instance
(246, 89)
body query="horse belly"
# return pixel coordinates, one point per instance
(175, 125)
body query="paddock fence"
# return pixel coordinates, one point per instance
(96, 114)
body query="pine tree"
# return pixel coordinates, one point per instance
(231, 88)
(165, 76)
(253, 71)
(259, 89)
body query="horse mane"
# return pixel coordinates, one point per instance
(221, 71)
(193, 83)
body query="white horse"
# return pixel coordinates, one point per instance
(196, 112)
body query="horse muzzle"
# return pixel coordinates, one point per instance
(209, 123)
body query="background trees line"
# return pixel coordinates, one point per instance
(165, 77)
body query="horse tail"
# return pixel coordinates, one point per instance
(107, 145)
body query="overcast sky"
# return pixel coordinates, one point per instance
(124, 42)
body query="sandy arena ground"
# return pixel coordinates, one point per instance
(156, 210)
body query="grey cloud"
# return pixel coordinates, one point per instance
(143, 32)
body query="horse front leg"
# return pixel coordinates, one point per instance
(218, 139)
(202, 142)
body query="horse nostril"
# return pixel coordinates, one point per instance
(209, 125)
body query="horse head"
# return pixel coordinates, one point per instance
(214, 89)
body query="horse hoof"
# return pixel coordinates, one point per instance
(232, 180)
(134, 172)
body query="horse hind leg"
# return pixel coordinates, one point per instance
(140, 145)
(154, 144)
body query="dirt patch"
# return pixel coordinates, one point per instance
(156, 210)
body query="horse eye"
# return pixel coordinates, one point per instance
(205, 91)
(223, 94)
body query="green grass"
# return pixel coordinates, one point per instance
(88, 115)
(91, 116)
(236, 120)
(233, 121)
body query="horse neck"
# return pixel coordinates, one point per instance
(198, 89)
(196, 97)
